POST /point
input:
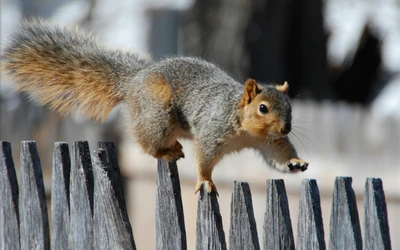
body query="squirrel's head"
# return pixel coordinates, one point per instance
(265, 110)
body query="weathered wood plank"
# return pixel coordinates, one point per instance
(243, 229)
(170, 221)
(60, 206)
(278, 232)
(310, 229)
(376, 225)
(112, 229)
(81, 197)
(345, 232)
(209, 230)
(34, 224)
(9, 216)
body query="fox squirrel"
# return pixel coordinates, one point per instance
(176, 97)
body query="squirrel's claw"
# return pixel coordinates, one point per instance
(296, 164)
(210, 187)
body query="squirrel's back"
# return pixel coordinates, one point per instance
(66, 69)
(191, 87)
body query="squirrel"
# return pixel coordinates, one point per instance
(175, 97)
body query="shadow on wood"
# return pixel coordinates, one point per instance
(60, 201)
(278, 233)
(243, 229)
(112, 229)
(209, 230)
(310, 229)
(376, 224)
(345, 231)
(81, 197)
(34, 224)
(9, 215)
(170, 221)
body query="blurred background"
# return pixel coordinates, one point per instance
(340, 57)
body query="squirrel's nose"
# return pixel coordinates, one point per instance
(286, 129)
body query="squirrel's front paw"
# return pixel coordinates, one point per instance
(210, 187)
(296, 164)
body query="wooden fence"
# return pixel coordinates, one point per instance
(88, 209)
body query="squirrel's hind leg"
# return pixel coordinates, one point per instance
(155, 124)
(160, 142)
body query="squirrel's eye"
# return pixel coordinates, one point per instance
(263, 109)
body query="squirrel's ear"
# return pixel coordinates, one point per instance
(251, 89)
(283, 88)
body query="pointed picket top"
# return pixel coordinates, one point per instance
(243, 229)
(32, 200)
(345, 231)
(310, 229)
(209, 230)
(60, 206)
(81, 197)
(376, 225)
(170, 221)
(112, 229)
(278, 232)
(9, 192)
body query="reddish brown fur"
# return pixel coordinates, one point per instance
(64, 86)
(160, 89)
(251, 89)
(170, 154)
(257, 124)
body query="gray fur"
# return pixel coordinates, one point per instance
(200, 101)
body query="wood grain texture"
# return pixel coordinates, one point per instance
(34, 224)
(81, 197)
(9, 191)
(243, 229)
(376, 224)
(278, 233)
(209, 230)
(345, 231)
(112, 229)
(310, 229)
(60, 206)
(170, 221)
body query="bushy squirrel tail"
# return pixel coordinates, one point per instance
(67, 70)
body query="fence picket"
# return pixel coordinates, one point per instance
(345, 232)
(278, 232)
(243, 229)
(34, 224)
(112, 229)
(89, 210)
(9, 216)
(81, 197)
(60, 206)
(310, 229)
(209, 230)
(170, 222)
(376, 225)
